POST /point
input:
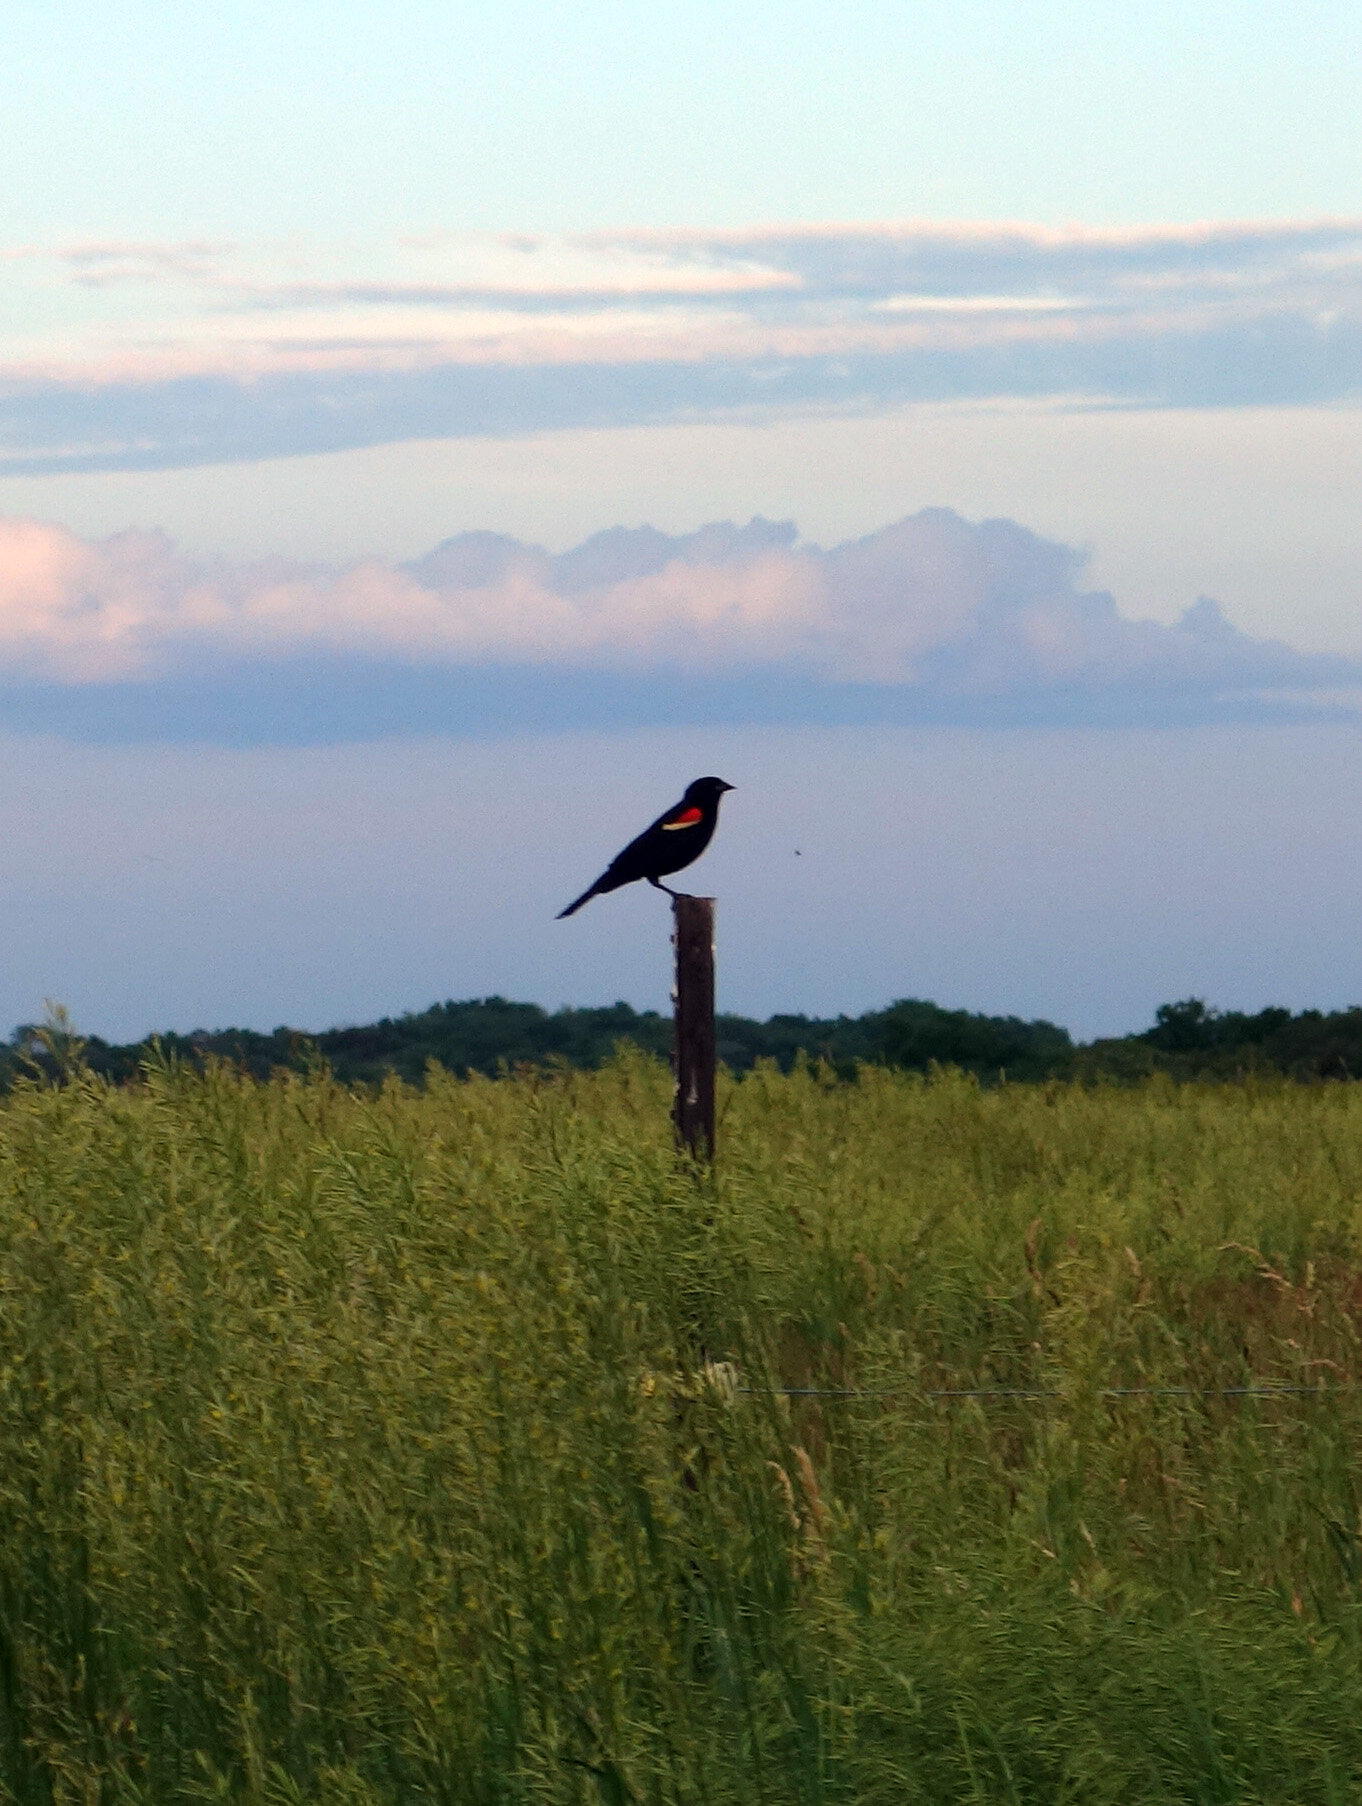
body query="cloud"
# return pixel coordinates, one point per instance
(124, 356)
(932, 618)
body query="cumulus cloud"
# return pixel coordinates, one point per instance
(942, 613)
(128, 356)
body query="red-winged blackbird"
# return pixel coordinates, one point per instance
(675, 838)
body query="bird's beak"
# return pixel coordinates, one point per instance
(730, 786)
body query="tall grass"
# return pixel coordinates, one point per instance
(428, 1446)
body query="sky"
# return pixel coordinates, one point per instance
(431, 435)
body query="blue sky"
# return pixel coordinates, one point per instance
(152, 120)
(346, 354)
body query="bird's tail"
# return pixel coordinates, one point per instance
(572, 908)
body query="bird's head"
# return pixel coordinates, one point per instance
(706, 791)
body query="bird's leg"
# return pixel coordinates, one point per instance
(657, 884)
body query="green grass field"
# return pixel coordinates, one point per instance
(426, 1445)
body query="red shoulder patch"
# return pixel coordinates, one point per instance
(687, 819)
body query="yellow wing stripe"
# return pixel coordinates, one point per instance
(688, 820)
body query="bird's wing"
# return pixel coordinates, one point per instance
(680, 815)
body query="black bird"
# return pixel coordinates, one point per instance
(679, 835)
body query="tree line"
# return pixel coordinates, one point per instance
(490, 1035)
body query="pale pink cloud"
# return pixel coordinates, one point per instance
(133, 604)
(121, 312)
(934, 602)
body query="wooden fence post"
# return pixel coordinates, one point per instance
(693, 1110)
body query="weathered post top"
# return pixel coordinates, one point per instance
(693, 1110)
